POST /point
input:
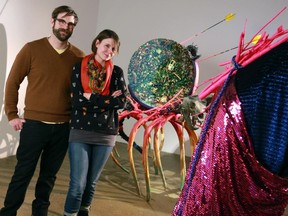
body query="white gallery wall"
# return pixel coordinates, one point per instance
(136, 22)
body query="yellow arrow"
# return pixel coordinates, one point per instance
(228, 17)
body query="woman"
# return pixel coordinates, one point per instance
(98, 91)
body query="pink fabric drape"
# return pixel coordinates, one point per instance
(228, 180)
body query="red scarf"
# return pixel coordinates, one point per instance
(90, 68)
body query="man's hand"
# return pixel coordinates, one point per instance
(17, 123)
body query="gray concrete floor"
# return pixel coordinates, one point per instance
(116, 192)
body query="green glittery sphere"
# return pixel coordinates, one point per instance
(158, 70)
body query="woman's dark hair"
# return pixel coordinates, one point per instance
(65, 9)
(105, 34)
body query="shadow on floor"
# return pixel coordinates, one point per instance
(116, 193)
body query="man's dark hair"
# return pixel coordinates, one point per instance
(65, 9)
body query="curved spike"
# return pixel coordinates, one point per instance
(179, 130)
(193, 138)
(130, 150)
(146, 137)
(158, 155)
(158, 128)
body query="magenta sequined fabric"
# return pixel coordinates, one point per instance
(228, 180)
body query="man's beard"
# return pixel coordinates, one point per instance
(57, 33)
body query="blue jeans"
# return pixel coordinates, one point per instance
(37, 140)
(86, 164)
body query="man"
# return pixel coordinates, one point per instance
(47, 63)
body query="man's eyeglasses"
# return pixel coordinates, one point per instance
(64, 23)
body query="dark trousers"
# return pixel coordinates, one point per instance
(37, 140)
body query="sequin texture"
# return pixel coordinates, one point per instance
(228, 179)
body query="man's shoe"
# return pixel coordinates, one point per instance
(83, 213)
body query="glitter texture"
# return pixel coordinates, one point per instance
(228, 179)
(158, 70)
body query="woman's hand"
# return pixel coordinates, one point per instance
(116, 93)
(87, 95)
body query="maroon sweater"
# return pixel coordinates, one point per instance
(49, 77)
